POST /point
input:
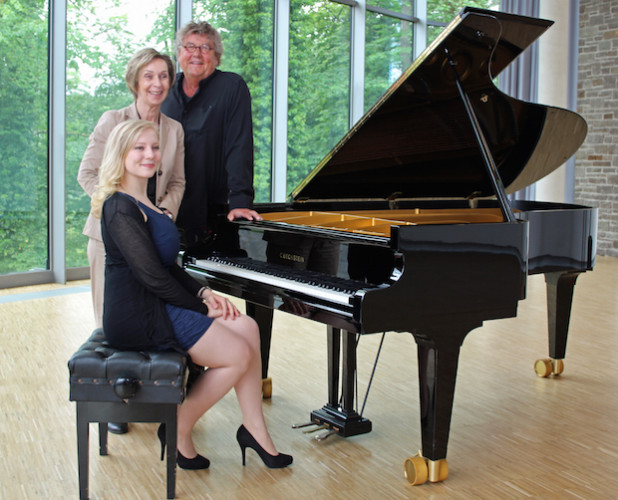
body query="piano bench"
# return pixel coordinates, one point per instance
(110, 385)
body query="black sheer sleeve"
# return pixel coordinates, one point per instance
(127, 238)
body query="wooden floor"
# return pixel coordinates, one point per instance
(513, 435)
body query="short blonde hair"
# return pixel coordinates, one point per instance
(120, 141)
(141, 59)
(200, 28)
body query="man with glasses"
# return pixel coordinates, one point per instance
(214, 108)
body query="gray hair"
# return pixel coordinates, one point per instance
(200, 28)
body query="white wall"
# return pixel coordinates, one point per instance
(553, 82)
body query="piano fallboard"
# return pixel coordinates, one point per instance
(377, 257)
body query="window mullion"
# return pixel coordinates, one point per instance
(57, 138)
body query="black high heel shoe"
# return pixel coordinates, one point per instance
(246, 440)
(196, 463)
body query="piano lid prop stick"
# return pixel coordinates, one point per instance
(488, 159)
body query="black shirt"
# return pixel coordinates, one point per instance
(218, 146)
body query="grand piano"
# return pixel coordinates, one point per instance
(407, 226)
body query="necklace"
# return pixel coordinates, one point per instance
(158, 122)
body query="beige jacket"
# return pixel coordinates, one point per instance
(171, 174)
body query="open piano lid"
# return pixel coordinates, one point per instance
(417, 140)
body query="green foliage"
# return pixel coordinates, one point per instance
(162, 34)
(318, 90)
(23, 135)
(445, 10)
(95, 84)
(246, 29)
(388, 53)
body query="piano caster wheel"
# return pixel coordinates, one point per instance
(547, 366)
(267, 388)
(418, 470)
(415, 470)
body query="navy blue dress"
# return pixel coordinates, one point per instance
(188, 325)
(138, 286)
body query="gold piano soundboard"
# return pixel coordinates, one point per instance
(379, 222)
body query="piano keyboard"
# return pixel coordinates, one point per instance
(329, 288)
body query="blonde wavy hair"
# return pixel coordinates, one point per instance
(120, 141)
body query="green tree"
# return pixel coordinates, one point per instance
(444, 11)
(246, 30)
(318, 83)
(98, 49)
(23, 135)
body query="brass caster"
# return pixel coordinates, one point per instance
(267, 388)
(548, 366)
(418, 470)
(438, 470)
(415, 470)
(543, 367)
(558, 366)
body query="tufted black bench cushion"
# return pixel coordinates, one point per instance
(110, 385)
(101, 373)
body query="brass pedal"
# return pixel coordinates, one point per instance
(318, 427)
(326, 435)
(306, 424)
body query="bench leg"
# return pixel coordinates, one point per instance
(89, 411)
(82, 451)
(171, 429)
(103, 438)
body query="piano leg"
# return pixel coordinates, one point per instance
(348, 371)
(341, 418)
(438, 357)
(559, 287)
(333, 347)
(264, 318)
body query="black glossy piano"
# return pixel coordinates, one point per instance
(407, 226)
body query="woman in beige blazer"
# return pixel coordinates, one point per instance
(149, 77)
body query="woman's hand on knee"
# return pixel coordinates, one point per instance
(220, 307)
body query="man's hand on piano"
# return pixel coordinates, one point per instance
(243, 213)
(219, 307)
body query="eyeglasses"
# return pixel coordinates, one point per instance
(203, 48)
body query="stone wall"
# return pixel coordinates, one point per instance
(596, 174)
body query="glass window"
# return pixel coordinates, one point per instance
(444, 11)
(101, 37)
(388, 52)
(246, 29)
(319, 83)
(401, 6)
(24, 113)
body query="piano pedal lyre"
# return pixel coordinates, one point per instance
(316, 427)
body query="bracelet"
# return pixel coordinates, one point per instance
(199, 294)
